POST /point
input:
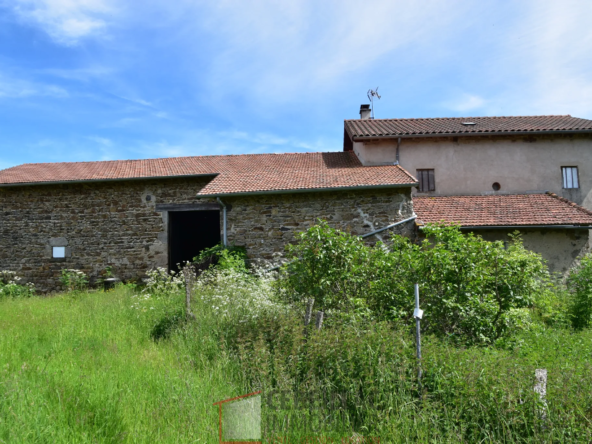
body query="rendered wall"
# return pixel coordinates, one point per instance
(560, 248)
(470, 165)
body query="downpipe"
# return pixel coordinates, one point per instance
(224, 232)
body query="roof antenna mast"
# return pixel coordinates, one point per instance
(371, 94)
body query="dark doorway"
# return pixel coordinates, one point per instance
(189, 233)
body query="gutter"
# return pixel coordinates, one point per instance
(311, 190)
(506, 227)
(491, 133)
(126, 179)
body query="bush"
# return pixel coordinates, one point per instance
(579, 283)
(228, 258)
(73, 280)
(159, 306)
(327, 265)
(471, 290)
(10, 286)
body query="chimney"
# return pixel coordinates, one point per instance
(365, 112)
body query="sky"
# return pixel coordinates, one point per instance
(85, 80)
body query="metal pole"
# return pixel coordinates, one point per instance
(417, 314)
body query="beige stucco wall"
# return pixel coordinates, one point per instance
(470, 165)
(559, 247)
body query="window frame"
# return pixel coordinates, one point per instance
(564, 170)
(420, 173)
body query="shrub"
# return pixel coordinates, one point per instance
(73, 280)
(159, 306)
(471, 290)
(229, 258)
(10, 286)
(327, 265)
(579, 283)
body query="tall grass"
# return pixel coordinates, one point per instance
(124, 366)
(82, 367)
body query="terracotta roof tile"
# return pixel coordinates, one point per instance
(454, 126)
(249, 173)
(501, 210)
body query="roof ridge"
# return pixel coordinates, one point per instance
(170, 158)
(484, 195)
(466, 117)
(569, 202)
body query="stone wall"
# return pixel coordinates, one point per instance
(265, 224)
(120, 224)
(101, 224)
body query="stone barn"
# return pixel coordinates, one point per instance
(135, 215)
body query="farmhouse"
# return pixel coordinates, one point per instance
(491, 175)
(139, 214)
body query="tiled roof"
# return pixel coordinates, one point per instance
(501, 210)
(248, 173)
(454, 126)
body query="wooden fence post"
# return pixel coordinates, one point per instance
(189, 277)
(319, 319)
(540, 387)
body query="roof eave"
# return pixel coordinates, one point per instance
(485, 133)
(125, 179)
(506, 227)
(309, 190)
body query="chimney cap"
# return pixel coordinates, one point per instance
(364, 107)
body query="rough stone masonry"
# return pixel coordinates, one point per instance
(119, 224)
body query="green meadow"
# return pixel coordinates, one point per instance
(83, 368)
(135, 365)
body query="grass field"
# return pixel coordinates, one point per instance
(83, 369)
(102, 368)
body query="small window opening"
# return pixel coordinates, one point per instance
(59, 252)
(570, 177)
(496, 186)
(426, 180)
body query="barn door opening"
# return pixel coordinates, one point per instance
(189, 233)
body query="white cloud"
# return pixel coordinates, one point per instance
(67, 21)
(465, 103)
(11, 87)
(545, 68)
(280, 52)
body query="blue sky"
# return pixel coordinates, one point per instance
(88, 80)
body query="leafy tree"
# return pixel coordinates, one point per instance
(471, 290)
(579, 283)
(328, 265)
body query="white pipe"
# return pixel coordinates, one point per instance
(389, 226)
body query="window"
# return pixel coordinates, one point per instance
(59, 252)
(426, 180)
(570, 177)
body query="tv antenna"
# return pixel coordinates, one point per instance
(371, 94)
